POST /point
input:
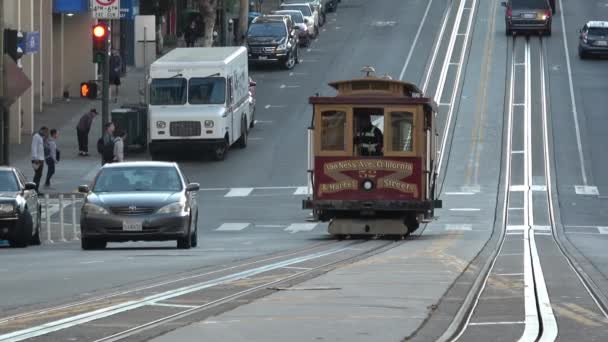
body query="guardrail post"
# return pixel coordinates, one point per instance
(74, 229)
(47, 217)
(61, 218)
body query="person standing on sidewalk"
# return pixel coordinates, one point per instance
(105, 144)
(119, 146)
(52, 158)
(115, 71)
(38, 154)
(190, 34)
(82, 131)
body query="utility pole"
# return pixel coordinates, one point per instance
(105, 85)
(243, 20)
(4, 113)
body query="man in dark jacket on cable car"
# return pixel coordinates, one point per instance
(369, 138)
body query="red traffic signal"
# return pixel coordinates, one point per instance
(100, 31)
(100, 42)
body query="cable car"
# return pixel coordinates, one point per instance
(371, 157)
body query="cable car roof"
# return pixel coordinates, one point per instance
(408, 88)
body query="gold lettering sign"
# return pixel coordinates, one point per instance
(368, 167)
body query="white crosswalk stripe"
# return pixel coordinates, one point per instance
(301, 190)
(239, 192)
(233, 226)
(301, 227)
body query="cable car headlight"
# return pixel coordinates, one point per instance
(368, 185)
(161, 124)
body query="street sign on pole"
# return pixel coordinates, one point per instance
(105, 9)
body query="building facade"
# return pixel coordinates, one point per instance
(64, 59)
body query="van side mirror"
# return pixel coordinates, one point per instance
(84, 189)
(503, 4)
(30, 186)
(252, 83)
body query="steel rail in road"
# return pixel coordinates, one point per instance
(540, 322)
(228, 279)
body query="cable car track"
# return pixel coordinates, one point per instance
(540, 323)
(235, 284)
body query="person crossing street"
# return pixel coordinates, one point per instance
(52, 158)
(38, 154)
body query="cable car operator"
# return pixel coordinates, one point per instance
(369, 138)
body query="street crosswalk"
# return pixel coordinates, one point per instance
(266, 191)
(289, 228)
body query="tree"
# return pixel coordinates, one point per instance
(208, 10)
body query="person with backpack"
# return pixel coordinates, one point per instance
(105, 144)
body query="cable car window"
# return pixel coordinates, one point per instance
(402, 124)
(333, 130)
(369, 131)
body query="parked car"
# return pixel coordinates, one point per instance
(274, 40)
(139, 201)
(310, 15)
(593, 39)
(20, 209)
(528, 16)
(319, 7)
(298, 19)
(252, 85)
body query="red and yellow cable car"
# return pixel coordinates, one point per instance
(372, 157)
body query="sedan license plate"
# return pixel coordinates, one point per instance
(132, 226)
(262, 57)
(601, 43)
(529, 15)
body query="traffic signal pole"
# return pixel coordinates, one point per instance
(105, 85)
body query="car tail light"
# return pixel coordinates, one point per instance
(509, 12)
(547, 14)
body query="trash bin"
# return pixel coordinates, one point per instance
(133, 119)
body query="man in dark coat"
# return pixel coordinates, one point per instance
(82, 131)
(115, 71)
(190, 34)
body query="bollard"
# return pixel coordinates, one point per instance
(61, 219)
(48, 217)
(74, 229)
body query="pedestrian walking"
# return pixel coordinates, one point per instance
(190, 34)
(82, 131)
(115, 71)
(105, 144)
(119, 146)
(52, 157)
(38, 154)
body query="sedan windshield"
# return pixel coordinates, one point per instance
(211, 90)
(168, 91)
(305, 9)
(296, 16)
(138, 178)
(267, 30)
(598, 31)
(8, 181)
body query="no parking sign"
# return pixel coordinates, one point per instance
(105, 9)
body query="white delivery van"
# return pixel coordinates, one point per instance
(199, 97)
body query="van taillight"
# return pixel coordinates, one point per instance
(509, 12)
(548, 14)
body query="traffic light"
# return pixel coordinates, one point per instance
(13, 44)
(88, 90)
(100, 42)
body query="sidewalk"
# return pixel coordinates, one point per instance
(382, 298)
(72, 169)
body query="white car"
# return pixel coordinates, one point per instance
(310, 14)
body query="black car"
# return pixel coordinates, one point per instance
(593, 39)
(139, 201)
(20, 210)
(531, 16)
(273, 39)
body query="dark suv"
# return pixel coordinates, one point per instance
(593, 39)
(273, 39)
(528, 16)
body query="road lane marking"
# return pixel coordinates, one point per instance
(301, 227)
(416, 37)
(459, 193)
(458, 227)
(232, 226)
(603, 230)
(577, 130)
(112, 310)
(465, 209)
(239, 192)
(518, 188)
(497, 323)
(179, 306)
